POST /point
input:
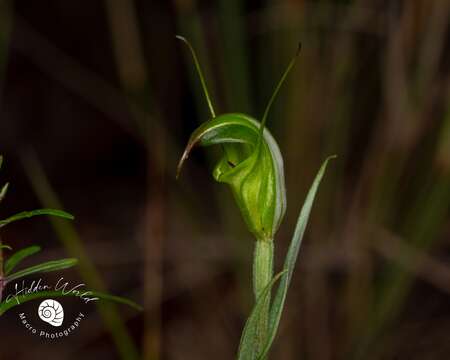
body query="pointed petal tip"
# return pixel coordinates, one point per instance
(328, 159)
(181, 162)
(185, 155)
(182, 38)
(331, 157)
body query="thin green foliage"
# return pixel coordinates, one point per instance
(48, 266)
(247, 348)
(20, 255)
(69, 237)
(291, 259)
(54, 265)
(29, 214)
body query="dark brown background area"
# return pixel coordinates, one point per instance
(98, 99)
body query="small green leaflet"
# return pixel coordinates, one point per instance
(44, 267)
(17, 257)
(28, 214)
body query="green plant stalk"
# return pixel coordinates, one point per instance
(262, 276)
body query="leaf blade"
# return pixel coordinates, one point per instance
(291, 258)
(44, 267)
(20, 255)
(247, 350)
(28, 214)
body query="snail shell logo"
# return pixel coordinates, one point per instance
(51, 312)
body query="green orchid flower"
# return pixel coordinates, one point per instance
(251, 164)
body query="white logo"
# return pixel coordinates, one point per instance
(51, 312)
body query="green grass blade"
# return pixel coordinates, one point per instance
(44, 267)
(28, 214)
(17, 257)
(247, 348)
(12, 302)
(5, 247)
(291, 258)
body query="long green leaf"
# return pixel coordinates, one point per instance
(247, 348)
(28, 214)
(44, 267)
(17, 257)
(7, 305)
(291, 258)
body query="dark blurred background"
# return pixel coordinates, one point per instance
(97, 102)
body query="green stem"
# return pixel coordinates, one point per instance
(262, 275)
